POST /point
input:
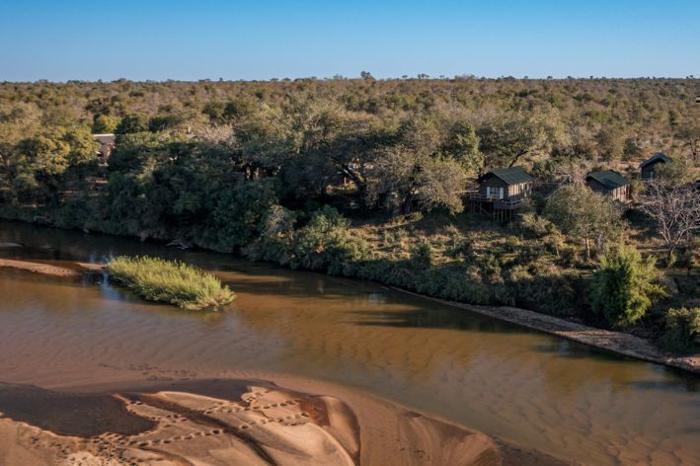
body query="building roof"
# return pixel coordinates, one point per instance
(105, 139)
(658, 157)
(511, 175)
(608, 178)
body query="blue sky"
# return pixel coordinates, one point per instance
(189, 40)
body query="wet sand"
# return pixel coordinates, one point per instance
(224, 422)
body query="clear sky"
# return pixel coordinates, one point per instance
(177, 39)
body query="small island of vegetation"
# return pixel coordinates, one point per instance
(171, 282)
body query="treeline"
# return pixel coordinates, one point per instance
(390, 139)
(338, 176)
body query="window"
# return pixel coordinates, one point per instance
(494, 192)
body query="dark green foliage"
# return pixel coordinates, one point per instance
(83, 148)
(462, 144)
(132, 124)
(275, 243)
(138, 152)
(237, 218)
(163, 122)
(682, 330)
(623, 287)
(541, 287)
(326, 244)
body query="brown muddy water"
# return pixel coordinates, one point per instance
(539, 391)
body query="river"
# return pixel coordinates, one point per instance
(539, 391)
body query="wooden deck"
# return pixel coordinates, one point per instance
(495, 204)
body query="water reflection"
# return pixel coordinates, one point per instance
(544, 392)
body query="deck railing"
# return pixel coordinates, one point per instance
(499, 204)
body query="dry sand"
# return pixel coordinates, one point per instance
(39, 267)
(231, 422)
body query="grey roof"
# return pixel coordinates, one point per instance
(511, 175)
(608, 178)
(658, 157)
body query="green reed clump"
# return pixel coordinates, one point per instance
(171, 282)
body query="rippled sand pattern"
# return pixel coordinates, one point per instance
(538, 391)
(225, 422)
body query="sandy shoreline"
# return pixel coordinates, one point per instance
(615, 342)
(39, 267)
(66, 269)
(235, 421)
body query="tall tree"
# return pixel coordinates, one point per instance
(676, 211)
(462, 144)
(585, 215)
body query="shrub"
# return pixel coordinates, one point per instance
(134, 123)
(171, 282)
(238, 216)
(104, 123)
(536, 225)
(325, 243)
(622, 286)
(541, 287)
(682, 330)
(465, 288)
(461, 249)
(275, 241)
(422, 255)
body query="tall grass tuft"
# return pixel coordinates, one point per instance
(171, 282)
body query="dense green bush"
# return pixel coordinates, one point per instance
(682, 330)
(171, 282)
(325, 243)
(275, 243)
(238, 216)
(542, 288)
(623, 286)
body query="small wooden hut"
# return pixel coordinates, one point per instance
(609, 183)
(500, 192)
(649, 166)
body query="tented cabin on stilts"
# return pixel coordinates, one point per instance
(500, 192)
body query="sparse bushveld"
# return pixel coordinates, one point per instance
(171, 282)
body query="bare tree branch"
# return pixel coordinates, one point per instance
(676, 211)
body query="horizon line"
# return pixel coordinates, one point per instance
(420, 77)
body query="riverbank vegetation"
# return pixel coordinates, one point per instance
(170, 282)
(682, 332)
(366, 178)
